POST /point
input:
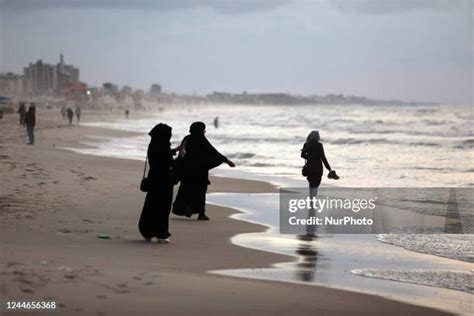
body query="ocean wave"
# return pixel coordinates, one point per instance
(465, 144)
(437, 122)
(458, 247)
(247, 139)
(241, 155)
(428, 144)
(376, 131)
(346, 141)
(426, 111)
(261, 164)
(353, 141)
(454, 280)
(434, 169)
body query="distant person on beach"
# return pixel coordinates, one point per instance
(197, 157)
(78, 114)
(127, 113)
(22, 113)
(216, 122)
(154, 219)
(30, 122)
(70, 115)
(1, 115)
(313, 153)
(63, 112)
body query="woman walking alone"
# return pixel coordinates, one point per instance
(313, 153)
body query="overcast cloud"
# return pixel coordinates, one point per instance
(411, 50)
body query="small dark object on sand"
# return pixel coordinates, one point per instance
(103, 236)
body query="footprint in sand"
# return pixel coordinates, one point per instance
(122, 288)
(27, 290)
(122, 291)
(23, 281)
(101, 297)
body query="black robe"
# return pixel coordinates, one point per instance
(314, 154)
(193, 173)
(156, 210)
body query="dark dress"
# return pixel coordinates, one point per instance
(156, 210)
(193, 172)
(313, 152)
(30, 119)
(30, 122)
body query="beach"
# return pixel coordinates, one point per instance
(54, 204)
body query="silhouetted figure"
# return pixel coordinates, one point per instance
(78, 114)
(30, 122)
(70, 115)
(63, 112)
(1, 115)
(216, 122)
(313, 153)
(156, 210)
(197, 157)
(22, 113)
(127, 113)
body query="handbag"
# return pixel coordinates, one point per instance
(145, 184)
(304, 170)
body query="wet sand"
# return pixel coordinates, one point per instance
(54, 203)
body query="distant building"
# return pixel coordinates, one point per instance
(155, 89)
(127, 90)
(42, 78)
(67, 74)
(11, 84)
(110, 88)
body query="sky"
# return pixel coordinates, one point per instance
(413, 50)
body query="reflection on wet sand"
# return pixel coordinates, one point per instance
(307, 264)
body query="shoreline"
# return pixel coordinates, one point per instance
(62, 258)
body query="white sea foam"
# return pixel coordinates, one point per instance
(459, 247)
(454, 280)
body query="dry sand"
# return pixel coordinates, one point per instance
(54, 202)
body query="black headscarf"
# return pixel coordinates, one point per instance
(160, 157)
(161, 132)
(199, 151)
(197, 128)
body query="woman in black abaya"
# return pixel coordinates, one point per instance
(156, 210)
(197, 157)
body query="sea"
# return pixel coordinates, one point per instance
(369, 146)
